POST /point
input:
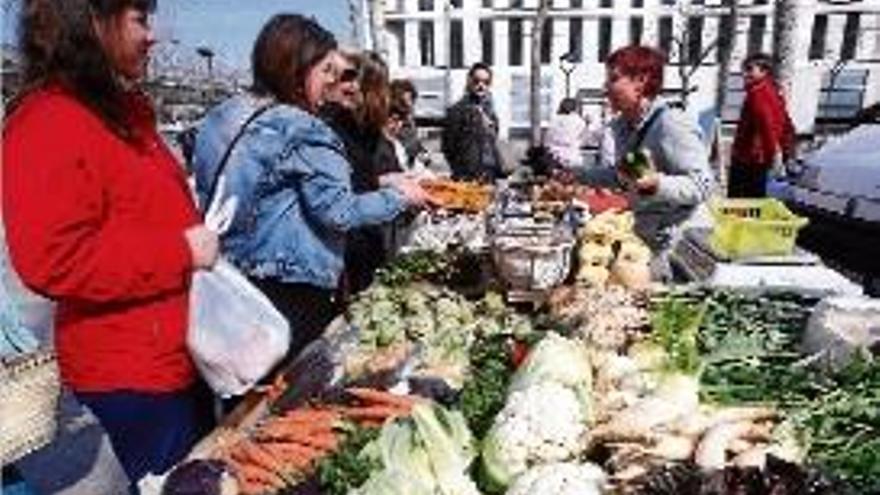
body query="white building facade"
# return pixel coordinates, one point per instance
(433, 42)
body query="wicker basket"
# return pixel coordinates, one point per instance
(29, 391)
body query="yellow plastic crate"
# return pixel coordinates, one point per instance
(753, 227)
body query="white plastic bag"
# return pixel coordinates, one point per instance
(235, 334)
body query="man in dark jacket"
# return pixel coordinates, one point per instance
(470, 135)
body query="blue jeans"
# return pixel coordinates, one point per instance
(150, 432)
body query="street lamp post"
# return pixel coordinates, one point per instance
(566, 65)
(208, 55)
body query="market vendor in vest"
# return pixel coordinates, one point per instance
(658, 157)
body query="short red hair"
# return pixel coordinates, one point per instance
(635, 61)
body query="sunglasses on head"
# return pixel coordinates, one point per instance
(348, 75)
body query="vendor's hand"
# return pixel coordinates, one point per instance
(204, 246)
(647, 184)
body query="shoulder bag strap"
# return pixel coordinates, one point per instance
(212, 189)
(643, 130)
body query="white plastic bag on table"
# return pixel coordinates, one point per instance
(236, 336)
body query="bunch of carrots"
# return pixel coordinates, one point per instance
(283, 449)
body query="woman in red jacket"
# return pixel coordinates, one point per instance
(764, 134)
(99, 218)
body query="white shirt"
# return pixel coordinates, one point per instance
(564, 138)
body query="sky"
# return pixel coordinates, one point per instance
(228, 27)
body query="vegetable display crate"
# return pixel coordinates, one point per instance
(753, 227)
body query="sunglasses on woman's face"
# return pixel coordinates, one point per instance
(348, 75)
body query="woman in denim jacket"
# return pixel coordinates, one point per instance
(289, 172)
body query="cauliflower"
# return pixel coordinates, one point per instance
(557, 359)
(542, 423)
(563, 478)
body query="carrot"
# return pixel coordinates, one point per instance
(374, 412)
(258, 477)
(284, 429)
(260, 457)
(382, 398)
(324, 442)
(309, 415)
(286, 451)
(294, 456)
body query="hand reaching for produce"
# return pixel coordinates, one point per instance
(392, 179)
(414, 194)
(204, 246)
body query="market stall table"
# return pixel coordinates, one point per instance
(801, 271)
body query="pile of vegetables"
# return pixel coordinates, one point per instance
(610, 252)
(609, 318)
(426, 453)
(546, 414)
(779, 477)
(347, 467)
(492, 363)
(750, 353)
(443, 322)
(283, 449)
(413, 267)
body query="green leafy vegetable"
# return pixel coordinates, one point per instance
(348, 467)
(675, 324)
(484, 393)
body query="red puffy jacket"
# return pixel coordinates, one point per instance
(764, 126)
(97, 224)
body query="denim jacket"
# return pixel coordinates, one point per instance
(296, 204)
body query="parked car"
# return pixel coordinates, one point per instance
(838, 187)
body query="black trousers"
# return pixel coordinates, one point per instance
(747, 180)
(308, 309)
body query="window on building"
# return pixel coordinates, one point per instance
(760, 2)
(817, 38)
(664, 35)
(395, 29)
(487, 39)
(604, 38)
(725, 35)
(576, 4)
(455, 4)
(456, 44)
(547, 41)
(637, 4)
(694, 39)
(515, 40)
(487, 4)
(850, 36)
(576, 39)
(606, 3)
(757, 27)
(636, 29)
(426, 5)
(516, 4)
(426, 43)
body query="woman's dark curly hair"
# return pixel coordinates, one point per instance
(59, 44)
(287, 48)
